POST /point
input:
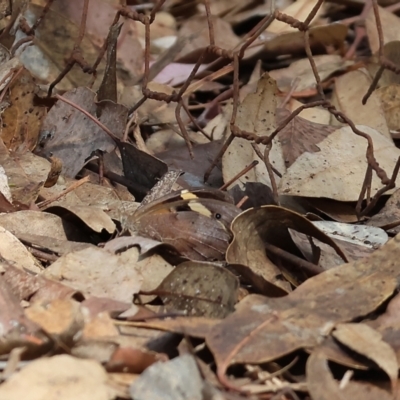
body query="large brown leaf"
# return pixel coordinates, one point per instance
(263, 329)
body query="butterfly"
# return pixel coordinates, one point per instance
(196, 222)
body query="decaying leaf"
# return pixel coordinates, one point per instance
(64, 125)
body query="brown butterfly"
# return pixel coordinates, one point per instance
(196, 223)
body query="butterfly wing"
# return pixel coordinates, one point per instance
(198, 227)
(194, 236)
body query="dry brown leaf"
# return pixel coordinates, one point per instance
(21, 121)
(8, 69)
(391, 52)
(347, 95)
(127, 359)
(389, 216)
(168, 139)
(197, 327)
(14, 251)
(153, 268)
(61, 318)
(50, 244)
(366, 341)
(121, 382)
(96, 305)
(337, 171)
(268, 224)
(195, 29)
(229, 7)
(93, 217)
(17, 329)
(175, 74)
(300, 319)
(99, 19)
(248, 250)
(204, 154)
(99, 327)
(65, 127)
(41, 223)
(31, 287)
(321, 383)
(152, 111)
(202, 289)
(90, 194)
(293, 42)
(356, 242)
(335, 210)
(45, 57)
(258, 10)
(5, 188)
(26, 174)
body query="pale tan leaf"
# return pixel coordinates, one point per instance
(41, 223)
(337, 171)
(256, 114)
(347, 95)
(389, 96)
(315, 114)
(60, 377)
(14, 251)
(97, 272)
(300, 75)
(61, 318)
(390, 26)
(299, 10)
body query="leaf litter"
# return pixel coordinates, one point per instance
(199, 200)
